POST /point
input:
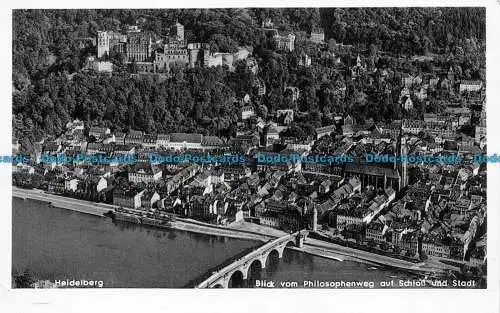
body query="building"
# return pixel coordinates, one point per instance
(123, 149)
(177, 31)
(162, 140)
(406, 103)
(435, 247)
(149, 198)
(272, 135)
(119, 137)
(144, 173)
(220, 59)
(480, 131)
(347, 190)
(280, 215)
(135, 45)
(247, 112)
(252, 65)
(326, 130)
(180, 141)
(324, 187)
(56, 185)
(285, 42)
(405, 240)
(350, 216)
(99, 132)
(259, 85)
(134, 137)
(15, 145)
(284, 117)
(432, 128)
(71, 184)
(100, 183)
(372, 175)
(139, 47)
(293, 91)
(318, 35)
(462, 114)
(175, 52)
(149, 140)
(304, 60)
(211, 142)
(470, 85)
(108, 41)
(376, 231)
(199, 54)
(100, 66)
(128, 198)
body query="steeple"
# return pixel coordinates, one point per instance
(402, 165)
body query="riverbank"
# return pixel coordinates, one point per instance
(99, 209)
(338, 252)
(242, 230)
(87, 207)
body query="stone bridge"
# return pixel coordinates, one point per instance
(221, 278)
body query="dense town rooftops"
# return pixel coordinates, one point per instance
(371, 170)
(185, 137)
(211, 141)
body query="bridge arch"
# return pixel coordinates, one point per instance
(281, 248)
(235, 277)
(257, 263)
(273, 253)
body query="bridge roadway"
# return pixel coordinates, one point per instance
(221, 278)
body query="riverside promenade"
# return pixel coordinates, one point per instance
(242, 230)
(99, 209)
(87, 207)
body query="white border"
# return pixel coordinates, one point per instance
(175, 300)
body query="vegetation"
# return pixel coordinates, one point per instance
(50, 48)
(23, 280)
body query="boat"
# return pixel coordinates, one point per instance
(144, 219)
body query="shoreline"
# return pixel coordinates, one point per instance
(99, 209)
(311, 246)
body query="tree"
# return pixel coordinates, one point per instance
(24, 280)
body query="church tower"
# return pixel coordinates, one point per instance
(402, 165)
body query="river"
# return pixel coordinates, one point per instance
(60, 244)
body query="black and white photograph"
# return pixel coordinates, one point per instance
(283, 147)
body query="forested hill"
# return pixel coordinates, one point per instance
(405, 30)
(50, 45)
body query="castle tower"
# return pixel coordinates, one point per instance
(102, 44)
(194, 49)
(179, 31)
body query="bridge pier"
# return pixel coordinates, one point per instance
(244, 271)
(225, 282)
(280, 251)
(263, 260)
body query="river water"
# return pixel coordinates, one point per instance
(60, 244)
